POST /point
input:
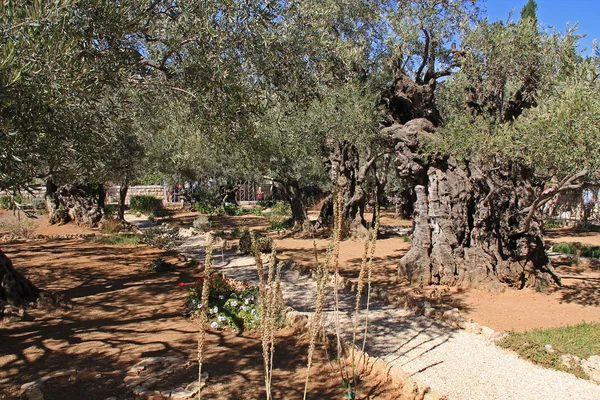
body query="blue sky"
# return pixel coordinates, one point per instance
(556, 13)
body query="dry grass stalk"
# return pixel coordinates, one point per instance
(270, 302)
(370, 273)
(315, 323)
(337, 232)
(359, 289)
(203, 316)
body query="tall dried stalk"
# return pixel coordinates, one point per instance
(365, 269)
(268, 293)
(370, 273)
(203, 316)
(322, 272)
(337, 232)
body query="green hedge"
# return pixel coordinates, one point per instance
(145, 204)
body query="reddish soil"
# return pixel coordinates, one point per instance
(121, 313)
(576, 301)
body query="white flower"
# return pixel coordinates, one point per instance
(233, 303)
(233, 295)
(247, 301)
(221, 297)
(214, 325)
(244, 308)
(253, 311)
(213, 310)
(200, 306)
(221, 318)
(250, 297)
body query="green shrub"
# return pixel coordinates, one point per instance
(281, 224)
(204, 207)
(281, 208)
(9, 203)
(566, 248)
(145, 204)
(111, 226)
(265, 243)
(258, 211)
(551, 224)
(230, 304)
(162, 237)
(110, 210)
(577, 249)
(120, 239)
(39, 204)
(233, 210)
(5, 203)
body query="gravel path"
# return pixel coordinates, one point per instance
(452, 361)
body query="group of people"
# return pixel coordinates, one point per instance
(177, 192)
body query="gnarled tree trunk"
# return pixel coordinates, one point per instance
(469, 224)
(349, 175)
(15, 289)
(72, 203)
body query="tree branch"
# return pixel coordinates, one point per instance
(425, 57)
(546, 195)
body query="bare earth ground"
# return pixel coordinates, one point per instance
(576, 301)
(121, 313)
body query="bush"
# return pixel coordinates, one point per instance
(145, 204)
(265, 243)
(162, 237)
(20, 228)
(38, 204)
(5, 203)
(258, 211)
(204, 207)
(110, 210)
(8, 203)
(577, 249)
(159, 266)
(280, 216)
(281, 224)
(230, 303)
(565, 248)
(281, 208)
(233, 210)
(202, 223)
(122, 239)
(111, 226)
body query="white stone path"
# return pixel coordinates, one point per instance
(462, 365)
(452, 361)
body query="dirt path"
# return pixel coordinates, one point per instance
(121, 313)
(460, 364)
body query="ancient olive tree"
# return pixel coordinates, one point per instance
(480, 160)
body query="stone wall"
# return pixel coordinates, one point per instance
(158, 191)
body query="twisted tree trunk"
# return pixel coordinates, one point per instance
(472, 226)
(72, 203)
(15, 289)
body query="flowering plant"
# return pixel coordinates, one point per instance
(230, 303)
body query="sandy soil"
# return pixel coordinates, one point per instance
(576, 301)
(121, 313)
